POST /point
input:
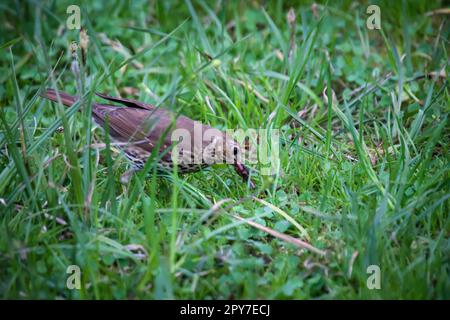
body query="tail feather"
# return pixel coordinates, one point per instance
(65, 98)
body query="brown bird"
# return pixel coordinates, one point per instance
(137, 127)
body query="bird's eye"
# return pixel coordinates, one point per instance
(235, 151)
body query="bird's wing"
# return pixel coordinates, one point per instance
(136, 126)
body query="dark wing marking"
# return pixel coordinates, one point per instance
(127, 102)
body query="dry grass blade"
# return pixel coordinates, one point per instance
(252, 89)
(438, 11)
(297, 242)
(302, 230)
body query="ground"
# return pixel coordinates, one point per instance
(364, 151)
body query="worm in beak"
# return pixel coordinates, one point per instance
(244, 173)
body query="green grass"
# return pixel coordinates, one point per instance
(364, 152)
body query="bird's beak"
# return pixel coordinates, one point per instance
(244, 173)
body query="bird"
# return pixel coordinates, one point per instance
(137, 128)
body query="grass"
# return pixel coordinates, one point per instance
(364, 152)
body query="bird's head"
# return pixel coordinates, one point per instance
(224, 149)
